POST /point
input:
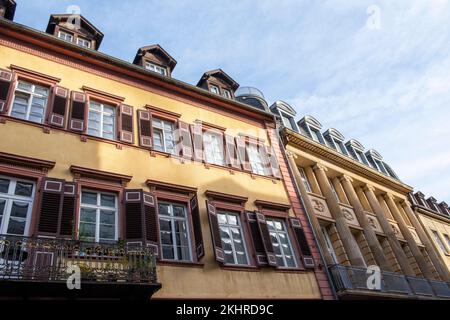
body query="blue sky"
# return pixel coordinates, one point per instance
(381, 76)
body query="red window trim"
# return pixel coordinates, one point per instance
(226, 198)
(34, 75)
(163, 114)
(103, 177)
(210, 126)
(159, 186)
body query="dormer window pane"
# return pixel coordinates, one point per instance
(155, 68)
(360, 156)
(215, 90)
(83, 43)
(286, 122)
(226, 93)
(339, 146)
(65, 36)
(315, 135)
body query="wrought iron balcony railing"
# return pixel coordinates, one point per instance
(354, 279)
(24, 259)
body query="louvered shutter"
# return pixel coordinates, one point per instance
(52, 191)
(151, 222)
(78, 112)
(231, 154)
(186, 140)
(308, 260)
(260, 252)
(6, 81)
(133, 216)
(243, 154)
(215, 232)
(197, 226)
(266, 239)
(68, 209)
(274, 166)
(145, 129)
(197, 142)
(57, 114)
(126, 124)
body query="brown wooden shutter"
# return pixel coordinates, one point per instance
(126, 124)
(197, 142)
(273, 162)
(231, 154)
(186, 140)
(197, 226)
(6, 85)
(260, 252)
(68, 209)
(78, 112)
(215, 232)
(243, 154)
(133, 216)
(57, 114)
(151, 222)
(145, 129)
(308, 260)
(52, 191)
(266, 239)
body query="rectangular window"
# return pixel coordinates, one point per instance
(163, 135)
(65, 36)
(256, 160)
(98, 217)
(213, 148)
(226, 93)
(315, 135)
(339, 146)
(30, 102)
(281, 243)
(83, 42)
(233, 241)
(438, 240)
(360, 156)
(305, 179)
(214, 89)
(447, 238)
(286, 121)
(329, 244)
(174, 232)
(155, 68)
(102, 120)
(16, 203)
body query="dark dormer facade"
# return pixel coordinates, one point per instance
(156, 59)
(310, 127)
(376, 161)
(218, 82)
(286, 114)
(418, 199)
(356, 151)
(334, 139)
(7, 9)
(76, 29)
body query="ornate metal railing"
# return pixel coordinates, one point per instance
(353, 278)
(42, 259)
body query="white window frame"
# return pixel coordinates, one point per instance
(9, 199)
(172, 220)
(163, 131)
(241, 231)
(214, 89)
(439, 242)
(102, 113)
(329, 245)
(156, 68)
(315, 134)
(286, 119)
(255, 157)
(339, 146)
(98, 207)
(82, 42)
(210, 155)
(305, 179)
(66, 34)
(361, 157)
(31, 95)
(226, 93)
(277, 236)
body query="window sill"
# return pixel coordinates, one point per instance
(180, 264)
(291, 270)
(231, 267)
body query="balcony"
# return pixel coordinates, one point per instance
(41, 268)
(351, 283)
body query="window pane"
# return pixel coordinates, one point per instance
(107, 200)
(2, 206)
(168, 252)
(41, 90)
(89, 198)
(88, 215)
(19, 209)
(166, 237)
(107, 232)
(4, 185)
(39, 102)
(24, 189)
(183, 253)
(164, 209)
(87, 231)
(229, 258)
(241, 258)
(165, 225)
(24, 86)
(232, 219)
(16, 226)
(107, 217)
(178, 211)
(222, 218)
(157, 139)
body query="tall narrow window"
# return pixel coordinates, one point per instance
(304, 179)
(438, 240)
(213, 147)
(65, 36)
(315, 135)
(83, 42)
(98, 217)
(281, 243)
(339, 146)
(30, 102)
(233, 242)
(155, 68)
(329, 244)
(163, 135)
(447, 238)
(226, 93)
(286, 121)
(360, 156)
(214, 89)
(256, 160)
(174, 230)
(16, 202)
(333, 189)
(102, 120)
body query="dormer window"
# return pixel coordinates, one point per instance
(226, 93)
(214, 89)
(311, 127)
(218, 82)
(83, 42)
(155, 68)
(334, 139)
(315, 135)
(361, 157)
(65, 36)
(356, 150)
(286, 113)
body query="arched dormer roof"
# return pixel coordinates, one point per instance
(375, 154)
(355, 144)
(335, 134)
(284, 106)
(310, 120)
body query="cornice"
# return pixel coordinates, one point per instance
(303, 143)
(425, 211)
